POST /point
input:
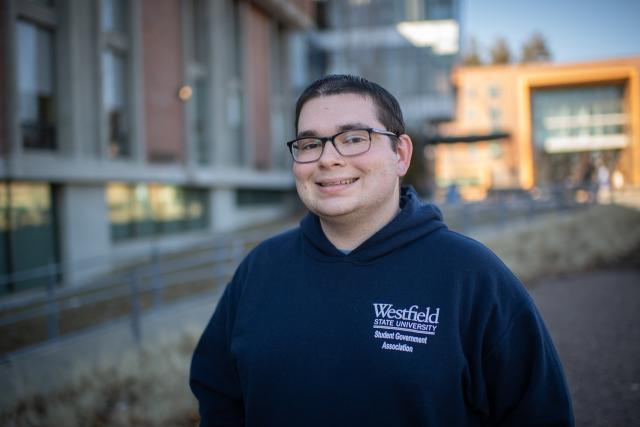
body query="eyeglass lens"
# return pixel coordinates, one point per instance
(349, 143)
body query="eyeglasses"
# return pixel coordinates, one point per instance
(348, 143)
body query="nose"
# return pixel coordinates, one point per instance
(330, 156)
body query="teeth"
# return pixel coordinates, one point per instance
(341, 182)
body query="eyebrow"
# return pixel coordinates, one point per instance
(341, 128)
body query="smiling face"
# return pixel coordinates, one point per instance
(360, 188)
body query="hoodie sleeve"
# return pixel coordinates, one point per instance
(213, 378)
(524, 378)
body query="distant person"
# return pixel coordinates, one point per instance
(617, 179)
(372, 312)
(453, 195)
(604, 183)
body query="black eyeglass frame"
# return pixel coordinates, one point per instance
(323, 141)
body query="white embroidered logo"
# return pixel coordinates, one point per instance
(393, 323)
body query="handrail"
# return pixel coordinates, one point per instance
(146, 283)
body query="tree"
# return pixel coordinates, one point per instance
(471, 56)
(500, 53)
(535, 49)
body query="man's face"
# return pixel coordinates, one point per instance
(344, 188)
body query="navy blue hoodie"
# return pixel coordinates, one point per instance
(418, 326)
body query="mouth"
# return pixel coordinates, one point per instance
(337, 182)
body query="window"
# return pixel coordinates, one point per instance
(496, 117)
(145, 210)
(570, 121)
(493, 91)
(279, 112)
(36, 71)
(28, 231)
(197, 48)
(470, 114)
(440, 9)
(235, 104)
(414, 10)
(496, 150)
(115, 80)
(42, 2)
(258, 197)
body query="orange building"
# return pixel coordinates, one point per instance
(521, 126)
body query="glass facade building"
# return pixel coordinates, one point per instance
(576, 129)
(378, 39)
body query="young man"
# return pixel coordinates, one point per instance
(372, 312)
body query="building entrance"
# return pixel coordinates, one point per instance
(578, 134)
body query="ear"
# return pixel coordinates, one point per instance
(404, 149)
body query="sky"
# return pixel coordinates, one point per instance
(579, 30)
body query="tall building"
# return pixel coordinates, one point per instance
(131, 123)
(542, 125)
(408, 46)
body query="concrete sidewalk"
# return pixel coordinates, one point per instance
(594, 319)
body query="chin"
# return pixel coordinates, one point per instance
(332, 211)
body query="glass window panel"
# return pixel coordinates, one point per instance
(120, 210)
(577, 115)
(4, 206)
(115, 103)
(255, 197)
(112, 16)
(196, 209)
(235, 109)
(4, 234)
(199, 121)
(168, 207)
(43, 2)
(142, 216)
(144, 210)
(129, 211)
(199, 35)
(30, 229)
(118, 199)
(36, 85)
(439, 9)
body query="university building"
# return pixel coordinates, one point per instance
(131, 123)
(541, 125)
(410, 47)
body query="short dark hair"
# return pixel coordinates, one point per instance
(387, 106)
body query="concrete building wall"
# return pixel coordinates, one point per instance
(84, 232)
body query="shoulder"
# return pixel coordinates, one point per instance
(461, 250)
(275, 245)
(272, 251)
(266, 257)
(477, 273)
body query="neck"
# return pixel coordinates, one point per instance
(350, 231)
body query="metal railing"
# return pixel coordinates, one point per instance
(45, 314)
(48, 313)
(499, 210)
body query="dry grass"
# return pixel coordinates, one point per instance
(567, 242)
(142, 388)
(149, 387)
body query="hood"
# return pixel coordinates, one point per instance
(415, 220)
